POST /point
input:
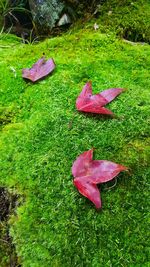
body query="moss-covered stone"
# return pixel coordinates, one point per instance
(42, 134)
(130, 19)
(55, 226)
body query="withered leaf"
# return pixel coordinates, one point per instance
(39, 70)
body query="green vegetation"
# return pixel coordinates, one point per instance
(42, 134)
(129, 19)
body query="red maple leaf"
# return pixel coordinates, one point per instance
(39, 70)
(88, 173)
(86, 102)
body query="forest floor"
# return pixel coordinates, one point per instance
(50, 223)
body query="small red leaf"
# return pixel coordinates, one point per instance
(86, 102)
(88, 173)
(39, 70)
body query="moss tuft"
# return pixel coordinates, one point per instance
(129, 19)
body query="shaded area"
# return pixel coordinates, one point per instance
(128, 19)
(17, 19)
(133, 35)
(34, 18)
(7, 205)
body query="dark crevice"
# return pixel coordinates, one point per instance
(19, 13)
(133, 35)
(18, 19)
(8, 203)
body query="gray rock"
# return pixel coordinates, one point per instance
(46, 13)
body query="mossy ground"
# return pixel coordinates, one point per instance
(129, 19)
(42, 134)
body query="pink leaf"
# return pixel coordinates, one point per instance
(39, 70)
(88, 173)
(86, 102)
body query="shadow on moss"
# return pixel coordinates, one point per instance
(7, 205)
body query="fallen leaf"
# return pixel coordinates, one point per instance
(39, 70)
(86, 102)
(88, 173)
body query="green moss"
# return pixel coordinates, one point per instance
(129, 19)
(56, 226)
